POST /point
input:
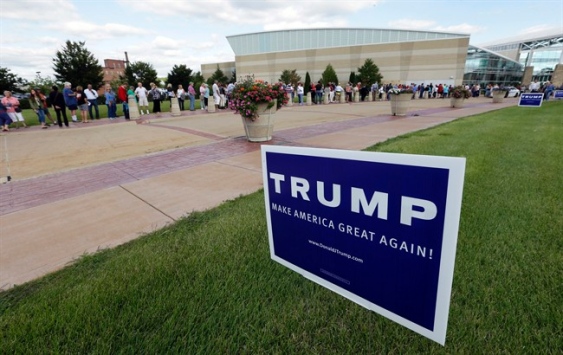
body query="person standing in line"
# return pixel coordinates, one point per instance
(534, 86)
(300, 92)
(82, 102)
(319, 92)
(230, 89)
(70, 100)
(202, 101)
(206, 96)
(12, 105)
(5, 120)
(223, 92)
(446, 91)
(169, 95)
(92, 97)
(122, 95)
(58, 102)
(549, 88)
(111, 103)
(37, 106)
(142, 93)
(131, 92)
(338, 92)
(191, 95)
(181, 95)
(156, 97)
(216, 94)
(289, 91)
(45, 105)
(348, 90)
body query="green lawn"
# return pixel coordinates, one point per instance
(31, 117)
(206, 285)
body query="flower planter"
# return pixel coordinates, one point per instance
(498, 96)
(262, 128)
(457, 103)
(400, 104)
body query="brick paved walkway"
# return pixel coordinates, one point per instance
(24, 194)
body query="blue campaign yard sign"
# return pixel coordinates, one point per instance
(377, 228)
(558, 94)
(531, 99)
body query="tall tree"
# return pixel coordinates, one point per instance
(352, 78)
(140, 72)
(43, 83)
(219, 76)
(10, 81)
(290, 76)
(307, 85)
(329, 75)
(198, 80)
(75, 64)
(369, 73)
(180, 74)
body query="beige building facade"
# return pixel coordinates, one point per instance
(227, 68)
(402, 56)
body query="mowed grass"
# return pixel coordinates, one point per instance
(207, 285)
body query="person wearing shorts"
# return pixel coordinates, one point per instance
(70, 100)
(82, 101)
(12, 105)
(142, 93)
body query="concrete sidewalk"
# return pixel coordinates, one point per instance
(78, 190)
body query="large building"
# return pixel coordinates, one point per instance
(402, 56)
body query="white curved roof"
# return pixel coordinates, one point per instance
(303, 39)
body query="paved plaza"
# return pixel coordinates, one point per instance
(92, 186)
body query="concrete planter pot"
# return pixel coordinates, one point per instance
(262, 128)
(457, 103)
(498, 96)
(400, 104)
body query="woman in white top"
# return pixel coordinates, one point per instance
(181, 95)
(300, 92)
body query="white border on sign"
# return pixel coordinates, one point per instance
(530, 93)
(456, 167)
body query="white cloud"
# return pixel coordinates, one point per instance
(411, 24)
(91, 31)
(38, 10)
(535, 29)
(461, 28)
(269, 14)
(164, 43)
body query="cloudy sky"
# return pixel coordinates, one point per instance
(192, 32)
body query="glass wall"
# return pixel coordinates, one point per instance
(543, 55)
(484, 67)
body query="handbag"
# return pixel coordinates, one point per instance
(18, 109)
